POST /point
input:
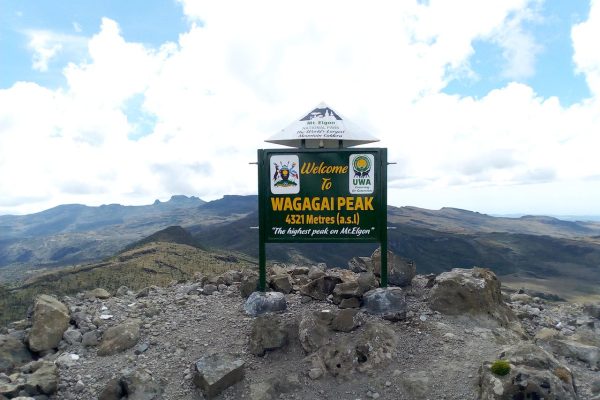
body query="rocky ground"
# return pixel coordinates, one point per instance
(438, 342)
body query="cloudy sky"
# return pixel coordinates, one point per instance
(492, 106)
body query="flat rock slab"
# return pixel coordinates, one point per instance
(259, 303)
(216, 372)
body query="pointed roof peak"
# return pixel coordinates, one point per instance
(322, 127)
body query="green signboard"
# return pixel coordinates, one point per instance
(319, 195)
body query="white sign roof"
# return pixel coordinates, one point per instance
(322, 127)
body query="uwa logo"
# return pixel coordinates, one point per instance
(362, 175)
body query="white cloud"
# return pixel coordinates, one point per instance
(585, 44)
(47, 45)
(234, 79)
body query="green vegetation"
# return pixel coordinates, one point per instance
(152, 264)
(500, 367)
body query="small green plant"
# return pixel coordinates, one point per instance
(500, 367)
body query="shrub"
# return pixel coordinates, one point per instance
(500, 367)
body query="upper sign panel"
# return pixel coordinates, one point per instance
(322, 127)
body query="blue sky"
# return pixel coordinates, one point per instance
(489, 106)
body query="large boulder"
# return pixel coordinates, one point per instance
(216, 372)
(260, 303)
(50, 321)
(13, 353)
(575, 350)
(44, 380)
(359, 264)
(268, 333)
(533, 374)
(346, 290)
(313, 331)
(136, 384)
(321, 287)
(472, 292)
(401, 271)
(389, 303)
(281, 283)
(120, 337)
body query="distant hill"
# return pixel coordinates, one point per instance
(71, 234)
(149, 264)
(172, 234)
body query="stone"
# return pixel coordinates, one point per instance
(281, 283)
(579, 351)
(315, 373)
(352, 302)
(592, 309)
(209, 289)
(474, 292)
(120, 337)
(140, 385)
(259, 303)
(97, 293)
(230, 277)
(389, 303)
(321, 287)
(274, 387)
(89, 339)
(72, 336)
(43, 380)
(248, 285)
(359, 264)
(546, 334)
(345, 321)
(368, 351)
(123, 291)
(296, 271)
(141, 348)
(534, 374)
(367, 281)
(595, 387)
(13, 353)
(315, 273)
(313, 330)
(401, 271)
(268, 333)
(346, 290)
(216, 372)
(112, 391)
(50, 320)
(67, 360)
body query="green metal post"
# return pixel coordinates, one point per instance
(384, 240)
(262, 259)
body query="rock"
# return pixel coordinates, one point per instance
(139, 385)
(313, 330)
(296, 271)
(368, 351)
(120, 337)
(112, 391)
(9, 390)
(268, 333)
(274, 387)
(534, 374)
(346, 291)
(259, 303)
(67, 360)
(345, 321)
(321, 287)
(89, 339)
(281, 283)
(248, 285)
(546, 334)
(215, 373)
(123, 291)
(352, 302)
(50, 321)
(592, 309)
(475, 292)
(230, 277)
(401, 271)
(359, 264)
(13, 353)
(595, 388)
(136, 384)
(390, 303)
(579, 351)
(367, 281)
(72, 336)
(209, 289)
(315, 273)
(141, 348)
(43, 380)
(97, 293)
